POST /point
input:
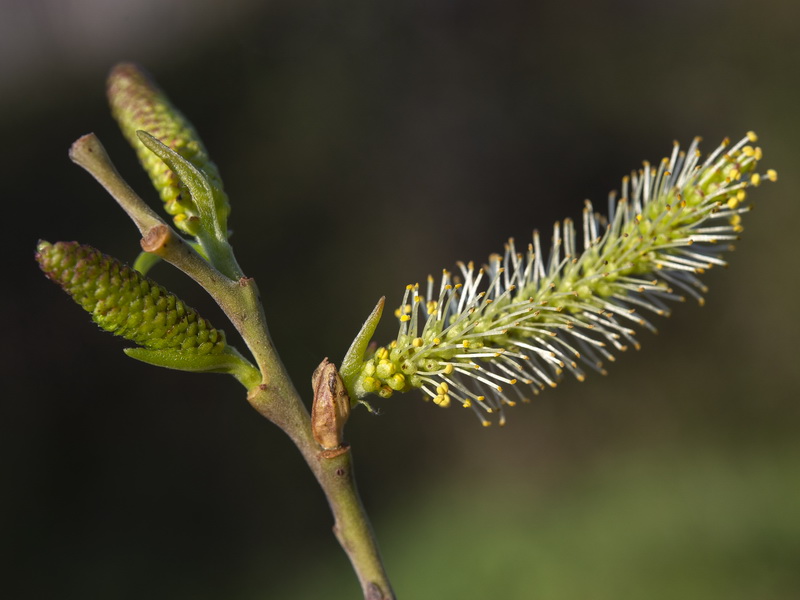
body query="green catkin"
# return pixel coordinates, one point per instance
(139, 105)
(125, 303)
(526, 317)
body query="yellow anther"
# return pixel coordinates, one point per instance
(397, 381)
(486, 423)
(385, 391)
(758, 153)
(467, 403)
(751, 135)
(465, 343)
(734, 174)
(431, 306)
(442, 388)
(381, 353)
(437, 341)
(405, 318)
(448, 369)
(741, 195)
(385, 369)
(748, 151)
(755, 180)
(772, 175)
(370, 384)
(417, 342)
(736, 219)
(442, 400)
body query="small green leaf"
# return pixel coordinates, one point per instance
(229, 362)
(211, 208)
(207, 209)
(353, 360)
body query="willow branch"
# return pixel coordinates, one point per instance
(275, 397)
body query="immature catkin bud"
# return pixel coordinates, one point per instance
(139, 105)
(125, 303)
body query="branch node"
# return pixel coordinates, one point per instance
(156, 239)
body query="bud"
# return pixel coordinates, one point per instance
(125, 303)
(139, 105)
(331, 408)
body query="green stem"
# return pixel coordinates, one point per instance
(277, 399)
(336, 477)
(89, 153)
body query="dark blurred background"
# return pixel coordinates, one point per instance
(365, 145)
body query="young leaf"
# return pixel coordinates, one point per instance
(208, 209)
(354, 359)
(229, 362)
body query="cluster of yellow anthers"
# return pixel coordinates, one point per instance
(526, 318)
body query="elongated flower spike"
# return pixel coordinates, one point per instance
(125, 303)
(525, 319)
(139, 105)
